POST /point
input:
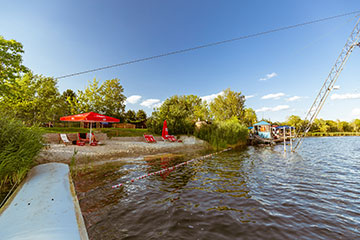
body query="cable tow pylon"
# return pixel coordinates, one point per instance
(328, 85)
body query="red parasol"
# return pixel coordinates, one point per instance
(165, 132)
(89, 117)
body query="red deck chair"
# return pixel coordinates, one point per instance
(82, 137)
(85, 138)
(94, 142)
(149, 138)
(171, 138)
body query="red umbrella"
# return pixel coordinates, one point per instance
(165, 132)
(89, 117)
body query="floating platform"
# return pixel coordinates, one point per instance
(44, 206)
(257, 140)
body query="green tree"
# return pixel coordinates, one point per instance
(89, 100)
(180, 112)
(33, 99)
(321, 125)
(130, 116)
(295, 121)
(68, 100)
(113, 99)
(141, 115)
(106, 99)
(201, 111)
(356, 125)
(10, 62)
(343, 126)
(228, 105)
(250, 117)
(332, 126)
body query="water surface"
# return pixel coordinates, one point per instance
(254, 193)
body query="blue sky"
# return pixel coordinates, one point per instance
(280, 73)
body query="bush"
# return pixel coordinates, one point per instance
(18, 147)
(175, 125)
(223, 134)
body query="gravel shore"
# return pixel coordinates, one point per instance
(116, 149)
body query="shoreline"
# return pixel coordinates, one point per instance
(118, 149)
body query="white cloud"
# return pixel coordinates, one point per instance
(150, 102)
(356, 112)
(336, 96)
(157, 105)
(268, 76)
(210, 98)
(273, 109)
(250, 96)
(133, 99)
(294, 98)
(273, 96)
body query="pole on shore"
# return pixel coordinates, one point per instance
(291, 140)
(90, 133)
(284, 139)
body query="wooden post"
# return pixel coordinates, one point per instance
(284, 139)
(290, 139)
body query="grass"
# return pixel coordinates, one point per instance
(18, 147)
(65, 130)
(111, 132)
(332, 134)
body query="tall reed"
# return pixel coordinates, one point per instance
(18, 147)
(222, 134)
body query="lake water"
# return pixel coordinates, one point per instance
(254, 193)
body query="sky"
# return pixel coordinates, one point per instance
(280, 73)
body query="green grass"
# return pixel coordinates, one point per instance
(18, 147)
(65, 130)
(331, 134)
(111, 132)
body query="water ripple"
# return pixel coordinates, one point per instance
(256, 193)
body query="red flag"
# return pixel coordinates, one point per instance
(165, 132)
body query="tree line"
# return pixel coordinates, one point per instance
(35, 99)
(321, 125)
(182, 112)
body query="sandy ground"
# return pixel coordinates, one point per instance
(118, 149)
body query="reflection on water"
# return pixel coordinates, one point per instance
(256, 193)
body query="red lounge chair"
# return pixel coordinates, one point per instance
(171, 138)
(85, 138)
(149, 138)
(94, 142)
(82, 137)
(80, 143)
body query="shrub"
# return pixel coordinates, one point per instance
(18, 147)
(223, 134)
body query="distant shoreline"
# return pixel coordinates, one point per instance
(333, 134)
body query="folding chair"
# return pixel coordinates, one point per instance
(149, 138)
(64, 138)
(171, 138)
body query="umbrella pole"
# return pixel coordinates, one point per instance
(90, 133)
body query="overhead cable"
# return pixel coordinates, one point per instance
(208, 45)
